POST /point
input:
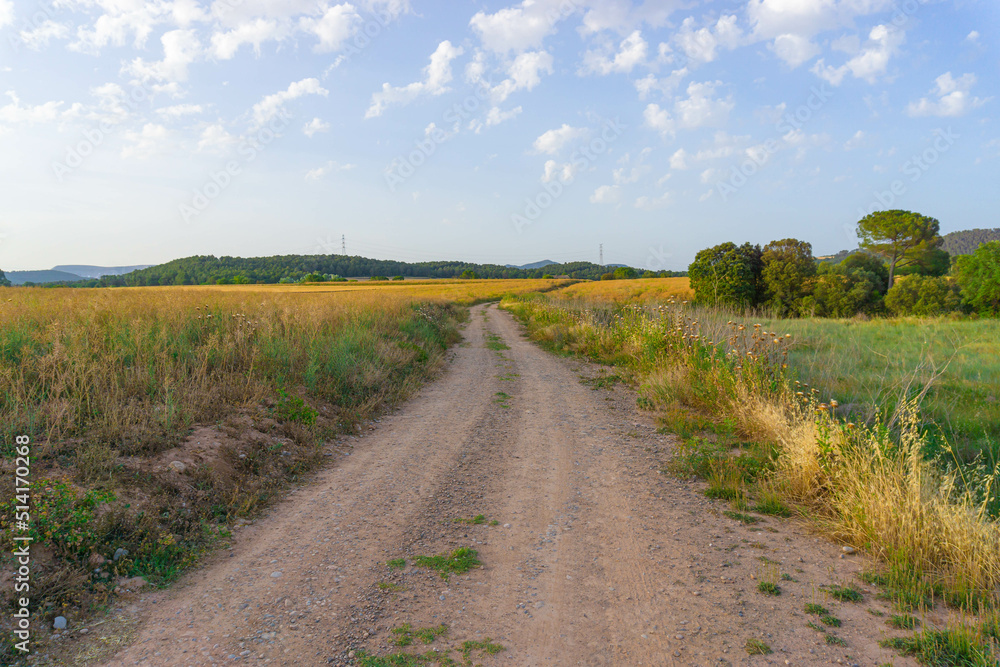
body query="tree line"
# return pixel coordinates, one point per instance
(210, 270)
(900, 269)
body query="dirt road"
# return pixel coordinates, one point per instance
(596, 557)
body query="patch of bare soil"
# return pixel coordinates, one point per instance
(590, 555)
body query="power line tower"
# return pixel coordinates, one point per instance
(343, 245)
(601, 253)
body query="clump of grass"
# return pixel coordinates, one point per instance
(496, 343)
(903, 621)
(817, 609)
(396, 564)
(477, 520)
(405, 634)
(486, 647)
(844, 593)
(390, 586)
(769, 588)
(832, 621)
(756, 647)
(943, 648)
(494, 522)
(459, 561)
(770, 503)
(835, 640)
(787, 577)
(725, 482)
(817, 628)
(747, 519)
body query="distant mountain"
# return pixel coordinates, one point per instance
(87, 271)
(965, 242)
(534, 265)
(53, 276)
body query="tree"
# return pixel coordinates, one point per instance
(870, 264)
(979, 276)
(929, 261)
(923, 295)
(468, 274)
(4, 280)
(727, 275)
(898, 236)
(624, 273)
(788, 266)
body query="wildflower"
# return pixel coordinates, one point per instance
(834, 404)
(776, 341)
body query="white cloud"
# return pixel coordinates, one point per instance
(14, 113)
(553, 141)
(524, 73)
(771, 18)
(700, 45)
(314, 126)
(631, 52)
(116, 21)
(329, 167)
(270, 106)
(627, 173)
(679, 160)
(180, 49)
(564, 172)
(647, 203)
(520, 27)
(494, 116)
(794, 49)
(700, 109)
(606, 194)
(41, 35)
(870, 63)
(256, 32)
(973, 37)
(333, 28)
(179, 110)
(437, 75)
(855, 142)
(666, 85)
(215, 139)
(953, 97)
(151, 140)
(6, 12)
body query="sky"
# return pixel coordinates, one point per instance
(138, 132)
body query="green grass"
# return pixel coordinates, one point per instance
(946, 648)
(832, 621)
(747, 519)
(405, 635)
(844, 593)
(817, 609)
(389, 586)
(835, 640)
(396, 564)
(459, 561)
(771, 504)
(496, 343)
(757, 647)
(869, 363)
(477, 520)
(769, 588)
(903, 621)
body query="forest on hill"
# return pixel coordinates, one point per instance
(210, 270)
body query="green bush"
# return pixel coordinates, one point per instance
(978, 275)
(922, 295)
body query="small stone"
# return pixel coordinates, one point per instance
(84, 631)
(59, 623)
(120, 553)
(680, 636)
(848, 550)
(506, 525)
(276, 574)
(177, 466)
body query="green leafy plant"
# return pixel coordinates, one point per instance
(459, 561)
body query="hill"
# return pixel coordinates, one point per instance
(965, 242)
(88, 271)
(38, 277)
(534, 265)
(208, 270)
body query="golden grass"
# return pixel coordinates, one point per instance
(639, 290)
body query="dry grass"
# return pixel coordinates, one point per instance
(640, 290)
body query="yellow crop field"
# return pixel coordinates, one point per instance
(641, 290)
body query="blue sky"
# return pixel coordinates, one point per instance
(138, 132)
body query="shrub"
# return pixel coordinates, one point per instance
(727, 275)
(378, 278)
(979, 276)
(922, 295)
(607, 276)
